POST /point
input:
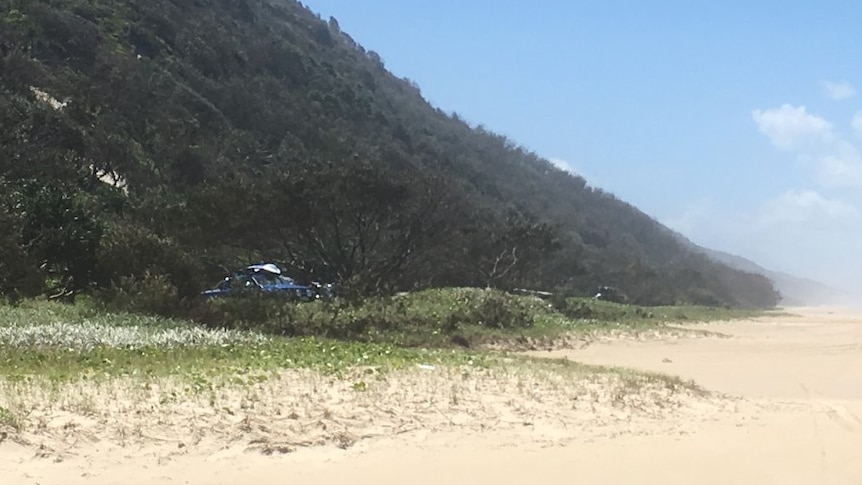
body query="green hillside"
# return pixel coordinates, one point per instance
(159, 143)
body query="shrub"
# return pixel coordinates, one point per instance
(410, 317)
(493, 309)
(128, 253)
(151, 294)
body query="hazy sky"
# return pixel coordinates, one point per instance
(737, 123)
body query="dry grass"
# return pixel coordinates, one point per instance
(297, 408)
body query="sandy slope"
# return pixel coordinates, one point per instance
(797, 419)
(805, 376)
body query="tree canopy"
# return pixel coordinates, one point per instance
(176, 139)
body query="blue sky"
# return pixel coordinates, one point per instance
(737, 123)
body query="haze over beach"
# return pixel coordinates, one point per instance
(736, 124)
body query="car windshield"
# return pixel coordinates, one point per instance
(265, 278)
(242, 280)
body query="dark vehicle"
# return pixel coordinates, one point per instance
(268, 279)
(609, 293)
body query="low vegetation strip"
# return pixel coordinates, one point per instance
(63, 343)
(430, 327)
(449, 317)
(210, 361)
(88, 335)
(333, 372)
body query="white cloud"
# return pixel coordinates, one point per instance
(577, 171)
(805, 207)
(562, 165)
(840, 167)
(838, 90)
(790, 127)
(835, 161)
(856, 122)
(811, 233)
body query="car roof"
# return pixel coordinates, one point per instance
(268, 267)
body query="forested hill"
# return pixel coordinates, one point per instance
(159, 142)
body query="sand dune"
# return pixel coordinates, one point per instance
(789, 410)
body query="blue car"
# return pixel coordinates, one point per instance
(268, 278)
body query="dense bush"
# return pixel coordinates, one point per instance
(578, 308)
(409, 319)
(149, 294)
